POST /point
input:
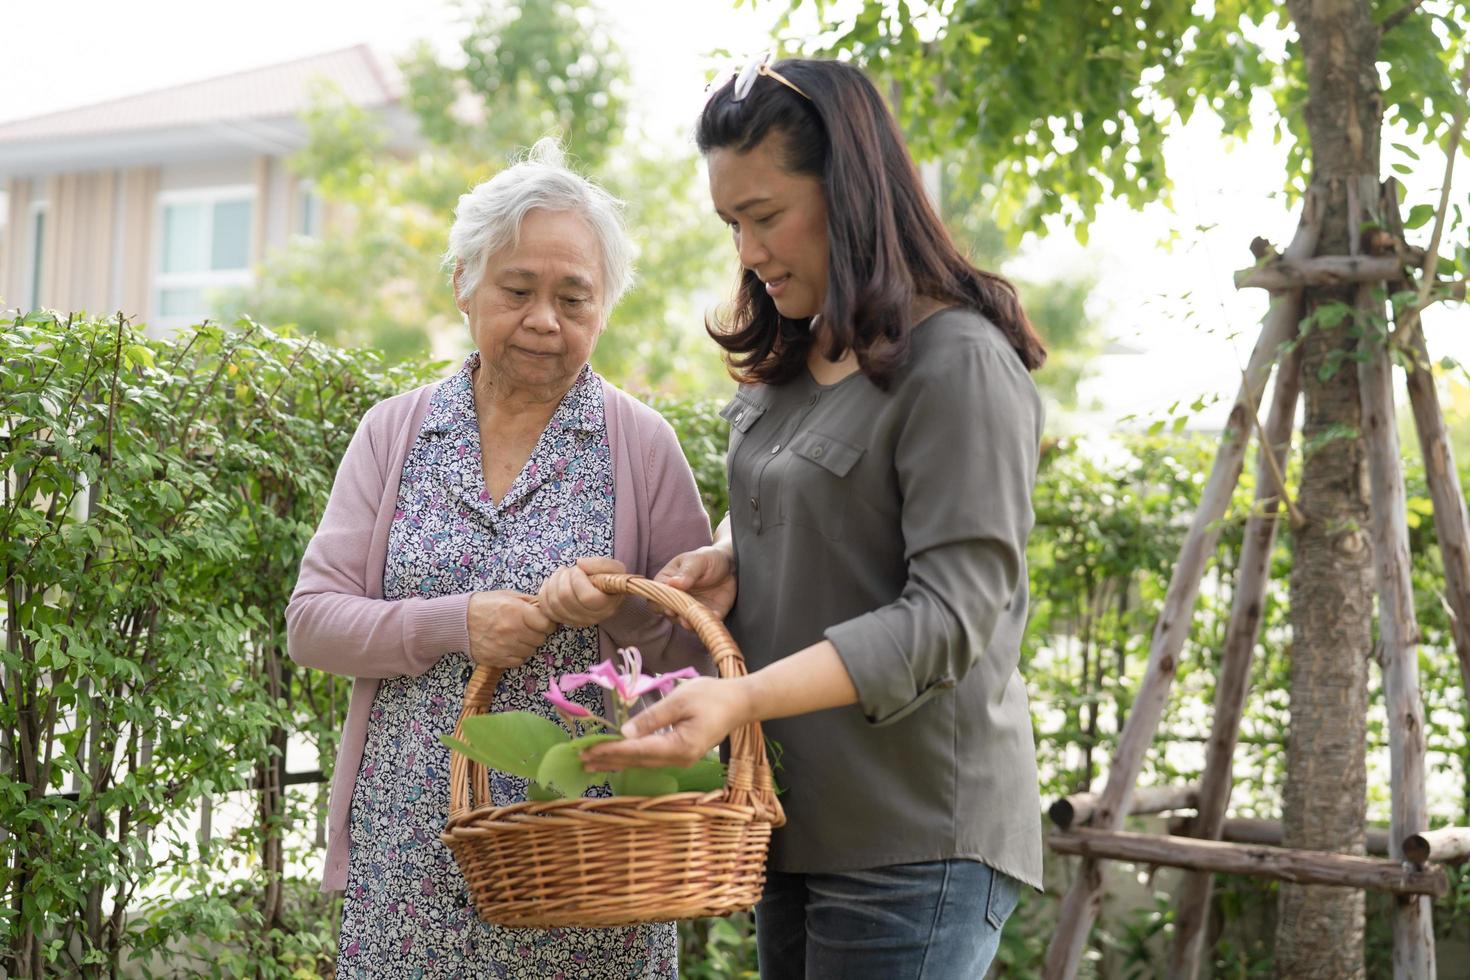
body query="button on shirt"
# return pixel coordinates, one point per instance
(894, 523)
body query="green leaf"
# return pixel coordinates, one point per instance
(1419, 215)
(535, 791)
(513, 741)
(1330, 315)
(644, 782)
(561, 769)
(135, 354)
(702, 777)
(468, 751)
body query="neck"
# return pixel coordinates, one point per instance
(494, 395)
(924, 307)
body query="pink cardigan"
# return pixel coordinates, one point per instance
(337, 619)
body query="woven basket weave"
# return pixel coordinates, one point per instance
(617, 860)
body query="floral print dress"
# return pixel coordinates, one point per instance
(407, 911)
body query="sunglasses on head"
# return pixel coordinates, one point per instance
(745, 78)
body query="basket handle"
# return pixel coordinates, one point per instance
(748, 776)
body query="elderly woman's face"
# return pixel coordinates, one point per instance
(538, 310)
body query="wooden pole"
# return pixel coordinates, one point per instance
(1080, 906)
(1252, 830)
(1281, 863)
(1077, 809)
(1235, 661)
(1441, 846)
(1451, 524)
(1398, 632)
(1324, 270)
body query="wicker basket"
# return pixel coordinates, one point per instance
(622, 859)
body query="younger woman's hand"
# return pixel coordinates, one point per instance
(707, 574)
(569, 596)
(698, 715)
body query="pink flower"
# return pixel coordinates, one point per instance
(557, 698)
(662, 683)
(604, 675)
(635, 683)
(627, 685)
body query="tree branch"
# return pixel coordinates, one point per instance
(1399, 16)
(1427, 280)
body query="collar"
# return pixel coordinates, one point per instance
(452, 406)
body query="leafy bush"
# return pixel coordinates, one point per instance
(157, 498)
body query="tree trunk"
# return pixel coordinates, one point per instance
(1320, 930)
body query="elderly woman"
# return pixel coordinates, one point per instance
(453, 505)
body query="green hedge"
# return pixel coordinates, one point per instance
(157, 497)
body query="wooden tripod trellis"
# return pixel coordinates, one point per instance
(1090, 825)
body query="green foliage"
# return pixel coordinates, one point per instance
(157, 497)
(1066, 105)
(525, 744)
(511, 741)
(718, 949)
(1057, 307)
(1106, 537)
(561, 770)
(704, 437)
(544, 66)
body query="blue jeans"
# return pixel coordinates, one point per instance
(935, 921)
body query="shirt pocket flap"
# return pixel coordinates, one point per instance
(742, 414)
(833, 455)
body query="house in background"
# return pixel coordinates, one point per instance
(149, 203)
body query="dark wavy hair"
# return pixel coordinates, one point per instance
(886, 245)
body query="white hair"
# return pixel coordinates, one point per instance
(488, 218)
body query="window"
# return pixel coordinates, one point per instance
(38, 253)
(309, 212)
(204, 248)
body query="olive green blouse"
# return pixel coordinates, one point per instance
(894, 524)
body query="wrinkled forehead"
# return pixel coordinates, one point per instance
(557, 248)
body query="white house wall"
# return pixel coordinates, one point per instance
(202, 176)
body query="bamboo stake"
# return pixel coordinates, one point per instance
(1451, 523)
(1235, 660)
(1080, 906)
(1077, 809)
(1441, 846)
(1398, 632)
(1279, 863)
(1252, 830)
(1324, 270)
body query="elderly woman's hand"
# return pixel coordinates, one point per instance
(569, 596)
(505, 628)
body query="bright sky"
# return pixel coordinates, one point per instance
(1175, 304)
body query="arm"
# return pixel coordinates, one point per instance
(965, 559)
(697, 715)
(331, 623)
(966, 464)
